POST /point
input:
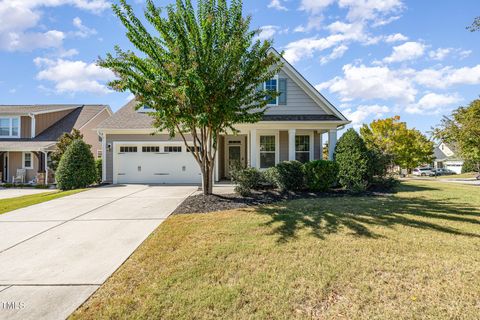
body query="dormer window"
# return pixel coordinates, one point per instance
(9, 127)
(278, 85)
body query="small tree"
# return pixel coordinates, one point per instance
(77, 167)
(62, 144)
(352, 157)
(407, 148)
(199, 70)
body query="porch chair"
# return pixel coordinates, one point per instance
(20, 176)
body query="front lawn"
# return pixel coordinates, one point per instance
(415, 254)
(11, 204)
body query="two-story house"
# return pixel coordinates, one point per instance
(293, 128)
(29, 132)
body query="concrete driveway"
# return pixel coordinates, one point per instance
(14, 192)
(54, 255)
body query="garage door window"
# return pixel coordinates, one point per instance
(172, 149)
(127, 149)
(151, 149)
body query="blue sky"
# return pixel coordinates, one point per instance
(371, 58)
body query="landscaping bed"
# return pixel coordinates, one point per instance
(212, 203)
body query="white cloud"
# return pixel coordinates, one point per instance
(277, 4)
(408, 51)
(395, 38)
(440, 53)
(19, 17)
(74, 76)
(315, 6)
(13, 41)
(368, 83)
(267, 32)
(375, 10)
(448, 76)
(363, 112)
(433, 103)
(82, 30)
(338, 52)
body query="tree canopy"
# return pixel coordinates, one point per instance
(462, 130)
(475, 25)
(407, 148)
(62, 144)
(198, 69)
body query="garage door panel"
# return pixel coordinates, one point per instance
(156, 167)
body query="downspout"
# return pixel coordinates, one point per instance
(104, 154)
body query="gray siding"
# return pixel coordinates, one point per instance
(298, 102)
(111, 138)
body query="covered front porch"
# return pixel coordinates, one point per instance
(21, 165)
(268, 144)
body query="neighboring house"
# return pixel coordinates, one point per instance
(447, 158)
(29, 132)
(292, 129)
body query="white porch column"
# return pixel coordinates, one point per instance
(320, 140)
(332, 142)
(291, 144)
(253, 148)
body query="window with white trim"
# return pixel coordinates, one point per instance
(27, 160)
(128, 149)
(302, 148)
(9, 127)
(272, 85)
(267, 151)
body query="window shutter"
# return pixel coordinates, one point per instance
(282, 88)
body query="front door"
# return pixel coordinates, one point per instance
(235, 154)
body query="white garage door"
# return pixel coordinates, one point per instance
(154, 163)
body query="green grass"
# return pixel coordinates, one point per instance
(11, 204)
(463, 175)
(415, 254)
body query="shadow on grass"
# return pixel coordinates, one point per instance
(358, 214)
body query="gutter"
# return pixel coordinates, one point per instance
(32, 125)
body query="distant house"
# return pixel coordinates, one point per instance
(446, 157)
(28, 133)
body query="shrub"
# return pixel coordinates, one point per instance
(320, 175)
(352, 157)
(383, 183)
(287, 176)
(470, 166)
(62, 144)
(270, 176)
(77, 167)
(99, 168)
(246, 180)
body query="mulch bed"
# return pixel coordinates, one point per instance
(212, 203)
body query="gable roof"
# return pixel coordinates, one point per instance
(74, 120)
(35, 108)
(308, 87)
(128, 118)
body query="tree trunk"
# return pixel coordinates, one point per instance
(207, 179)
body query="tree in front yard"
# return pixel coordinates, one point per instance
(77, 167)
(199, 70)
(407, 148)
(462, 130)
(352, 157)
(62, 144)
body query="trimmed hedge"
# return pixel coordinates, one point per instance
(287, 176)
(470, 166)
(353, 159)
(320, 175)
(246, 180)
(77, 167)
(99, 169)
